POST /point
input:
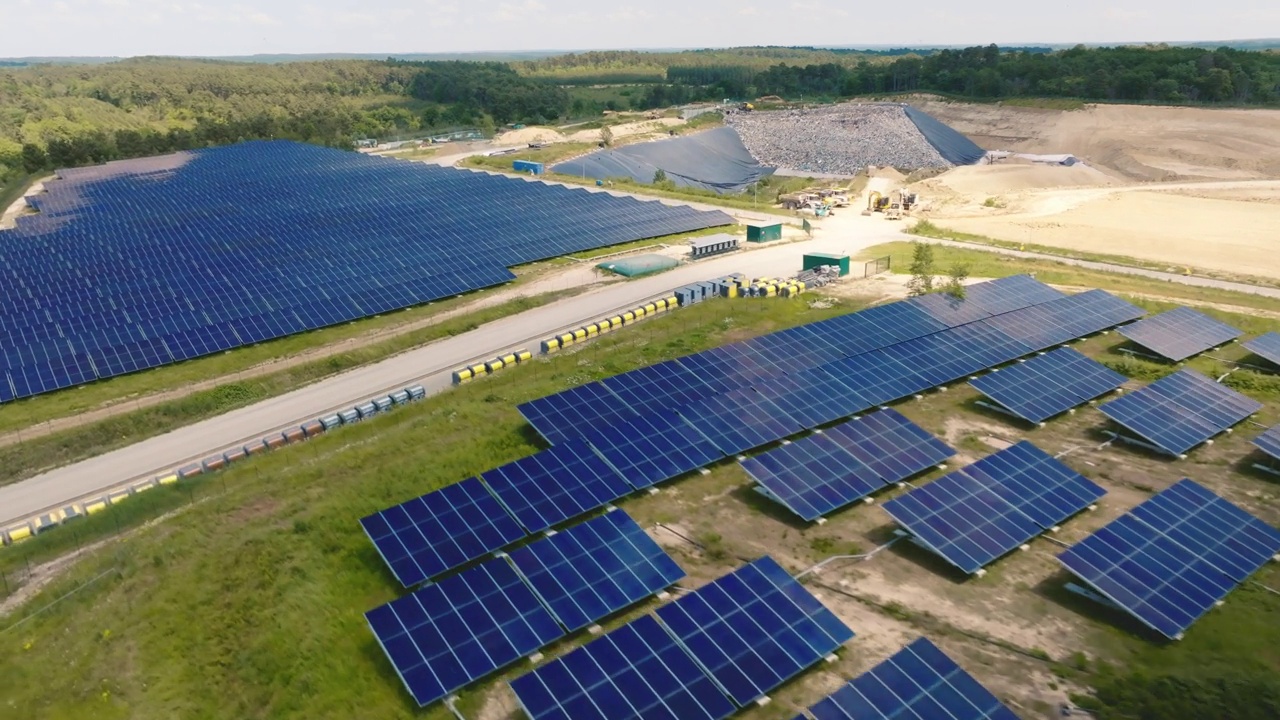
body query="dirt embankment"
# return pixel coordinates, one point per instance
(1137, 142)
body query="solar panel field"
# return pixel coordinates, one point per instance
(276, 565)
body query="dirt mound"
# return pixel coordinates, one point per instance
(1137, 142)
(641, 127)
(1002, 179)
(530, 135)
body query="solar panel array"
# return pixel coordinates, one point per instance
(1269, 442)
(1265, 346)
(978, 513)
(1180, 411)
(140, 263)
(822, 472)
(1050, 384)
(1172, 558)
(919, 682)
(460, 629)
(703, 656)
(1180, 333)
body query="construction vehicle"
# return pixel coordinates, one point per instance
(798, 200)
(896, 204)
(746, 107)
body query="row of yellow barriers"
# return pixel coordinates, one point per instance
(764, 287)
(471, 372)
(608, 325)
(313, 428)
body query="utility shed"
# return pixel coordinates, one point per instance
(815, 260)
(712, 244)
(764, 232)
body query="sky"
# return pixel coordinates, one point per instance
(247, 27)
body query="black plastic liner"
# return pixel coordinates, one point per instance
(954, 147)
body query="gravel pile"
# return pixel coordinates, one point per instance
(841, 139)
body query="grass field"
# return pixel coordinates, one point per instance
(249, 603)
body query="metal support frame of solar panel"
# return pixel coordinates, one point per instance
(454, 632)
(974, 515)
(820, 473)
(551, 486)
(1180, 411)
(148, 226)
(637, 672)
(918, 681)
(1171, 559)
(596, 568)
(1048, 385)
(1269, 443)
(1180, 333)
(754, 629)
(440, 531)
(1266, 346)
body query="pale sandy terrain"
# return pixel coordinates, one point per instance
(1137, 142)
(641, 127)
(19, 206)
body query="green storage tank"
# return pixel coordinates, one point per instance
(759, 232)
(813, 260)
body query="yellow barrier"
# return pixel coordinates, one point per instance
(592, 330)
(478, 370)
(169, 479)
(550, 346)
(95, 507)
(494, 365)
(462, 376)
(579, 335)
(523, 356)
(19, 533)
(508, 359)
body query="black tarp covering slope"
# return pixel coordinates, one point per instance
(713, 160)
(954, 147)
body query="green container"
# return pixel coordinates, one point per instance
(764, 233)
(813, 260)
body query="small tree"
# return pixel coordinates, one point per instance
(659, 177)
(921, 282)
(956, 275)
(606, 136)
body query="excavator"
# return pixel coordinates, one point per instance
(894, 205)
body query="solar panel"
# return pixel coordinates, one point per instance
(637, 672)
(1266, 347)
(1172, 558)
(1180, 411)
(812, 476)
(596, 568)
(754, 628)
(978, 513)
(653, 447)
(1180, 333)
(890, 444)
(454, 632)
(575, 411)
(440, 531)
(740, 420)
(198, 252)
(1269, 442)
(1049, 384)
(559, 483)
(918, 681)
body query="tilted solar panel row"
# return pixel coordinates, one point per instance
(1052, 383)
(454, 632)
(1180, 333)
(700, 657)
(743, 364)
(142, 263)
(1180, 411)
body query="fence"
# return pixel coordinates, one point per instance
(877, 266)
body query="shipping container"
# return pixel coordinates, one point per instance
(813, 261)
(400, 398)
(416, 392)
(349, 417)
(383, 403)
(366, 410)
(528, 166)
(764, 232)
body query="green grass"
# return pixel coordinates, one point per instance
(26, 459)
(926, 228)
(251, 604)
(991, 265)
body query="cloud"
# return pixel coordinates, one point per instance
(519, 10)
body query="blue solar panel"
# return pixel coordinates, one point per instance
(449, 634)
(1269, 442)
(1180, 333)
(1170, 559)
(1180, 411)
(575, 411)
(596, 568)
(554, 485)
(198, 252)
(440, 531)
(754, 628)
(890, 444)
(812, 476)
(918, 683)
(978, 513)
(654, 447)
(740, 420)
(637, 672)
(1053, 383)
(1059, 321)
(1266, 347)
(667, 384)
